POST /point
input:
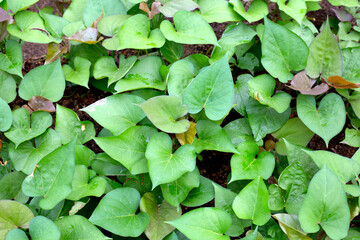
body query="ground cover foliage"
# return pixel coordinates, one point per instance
(280, 80)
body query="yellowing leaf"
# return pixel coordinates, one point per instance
(339, 82)
(54, 51)
(188, 136)
(88, 35)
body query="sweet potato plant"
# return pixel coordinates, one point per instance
(270, 83)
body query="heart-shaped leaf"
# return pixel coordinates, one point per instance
(282, 51)
(158, 227)
(181, 74)
(301, 82)
(42, 228)
(191, 28)
(84, 228)
(106, 67)
(121, 220)
(276, 199)
(325, 204)
(255, 11)
(291, 226)
(165, 166)
(11, 185)
(262, 89)
(25, 127)
(204, 223)
(212, 137)
(212, 90)
(129, 147)
(352, 137)
(7, 87)
(165, 113)
(53, 23)
(188, 136)
(294, 8)
(327, 120)
(11, 61)
(218, 11)
(204, 193)
(52, 176)
(263, 119)
(13, 215)
(28, 154)
(176, 192)
(245, 166)
(69, 126)
(30, 28)
(47, 81)
(144, 74)
(110, 26)
(6, 117)
(223, 200)
(135, 33)
(241, 95)
(117, 112)
(81, 72)
(173, 6)
(324, 55)
(172, 51)
(252, 202)
(239, 131)
(18, 5)
(83, 185)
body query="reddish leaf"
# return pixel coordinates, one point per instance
(4, 15)
(339, 82)
(154, 8)
(38, 103)
(301, 82)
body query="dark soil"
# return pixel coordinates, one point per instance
(215, 165)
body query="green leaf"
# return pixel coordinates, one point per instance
(52, 177)
(80, 74)
(47, 81)
(239, 131)
(172, 51)
(172, 6)
(11, 61)
(351, 63)
(30, 27)
(7, 86)
(116, 213)
(11, 185)
(327, 120)
(212, 137)
(325, 204)
(294, 8)
(13, 215)
(83, 185)
(165, 112)
(42, 228)
(69, 126)
(352, 137)
(18, 5)
(245, 166)
(241, 95)
(25, 127)
(293, 131)
(282, 51)
(345, 168)
(346, 3)
(129, 147)
(16, 234)
(256, 11)
(144, 74)
(159, 215)
(164, 165)
(136, 33)
(276, 200)
(263, 119)
(176, 192)
(110, 26)
(6, 117)
(117, 112)
(103, 164)
(252, 202)
(204, 223)
(181, 75)
(83, 155)
(223, 200)
(84, 229)
(191, 28)
(324, 55)
(262, 89)
(218, 11)
(97, 8)
(28, 154)
(212, 90)
(53, 23)
(200, 195)
(106, 67)
(291, 226)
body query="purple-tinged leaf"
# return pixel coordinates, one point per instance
(301, 82)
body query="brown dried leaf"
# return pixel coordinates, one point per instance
(302, 83)
(39, 103)
(154, 8)
(143, 6)
(88, 35)
(339, 82)
(94, 25)
(54, 51)
(188, 136)
(25, 106)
